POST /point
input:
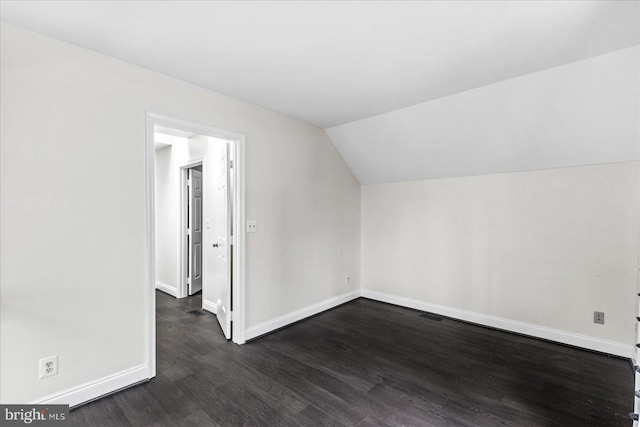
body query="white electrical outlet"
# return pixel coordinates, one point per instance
(251, 226)
(48, 366)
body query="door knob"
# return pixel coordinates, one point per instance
(215, 245)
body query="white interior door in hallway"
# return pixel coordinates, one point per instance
(194, 231)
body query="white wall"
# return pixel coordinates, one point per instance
(73, 279)
(166, 220)
(546, 248)
(167, 193)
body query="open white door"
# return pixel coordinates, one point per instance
(195, 231)
(223, 260)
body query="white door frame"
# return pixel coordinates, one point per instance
(238, 271)
(182, 227)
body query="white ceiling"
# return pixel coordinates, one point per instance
(331, 63)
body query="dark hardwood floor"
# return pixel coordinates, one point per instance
(365, 364)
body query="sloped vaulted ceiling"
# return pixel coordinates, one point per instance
(406, 90)
(583, 113)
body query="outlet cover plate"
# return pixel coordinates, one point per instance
(598, 317)
(48, 366)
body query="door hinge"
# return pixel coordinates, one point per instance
(231, 315)
(231, 240)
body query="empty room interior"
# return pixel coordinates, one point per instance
(360, 213)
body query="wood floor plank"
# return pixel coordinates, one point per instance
(370, 421)
(197, 419)
(139, 407)
(365, 363)
(104, 413)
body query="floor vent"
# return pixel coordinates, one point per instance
(197, 313)
(432, 316)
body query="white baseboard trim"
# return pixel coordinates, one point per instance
(287, 319)
(584, 341)
(168, 289)
(95, 389)
(211, 307)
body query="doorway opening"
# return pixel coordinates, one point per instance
(195, 209)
